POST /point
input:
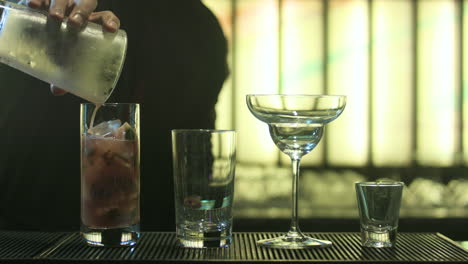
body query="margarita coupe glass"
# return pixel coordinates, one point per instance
(296, 125)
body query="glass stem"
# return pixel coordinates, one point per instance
(294, 230)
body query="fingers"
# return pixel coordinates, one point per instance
(57, 91)
(38, 3)
(81, 12)
(58, 8)
(109, 20)
(80, 9)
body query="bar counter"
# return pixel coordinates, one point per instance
(161, 247)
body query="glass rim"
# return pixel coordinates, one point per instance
(380, 183)
(299, 95)
(202, 130)
(108, 104)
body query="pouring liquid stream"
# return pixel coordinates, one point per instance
(91, 125)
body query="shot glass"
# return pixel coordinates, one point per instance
(204, 168)
(84, 61)
(379, 209)
(110, 174)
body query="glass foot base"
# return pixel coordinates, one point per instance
(378, 238)
(294, 242)
(115, 237)
(203, 243)
(208, 238)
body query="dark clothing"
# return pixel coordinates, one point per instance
(175, 68)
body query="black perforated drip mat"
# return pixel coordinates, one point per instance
(26, 245)
(163, 248)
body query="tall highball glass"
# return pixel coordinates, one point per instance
(110, 174)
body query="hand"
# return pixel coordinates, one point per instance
(78, 12)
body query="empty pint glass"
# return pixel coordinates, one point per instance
(83, 61)
(379, 210)
(204, 167)
(110, 174)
